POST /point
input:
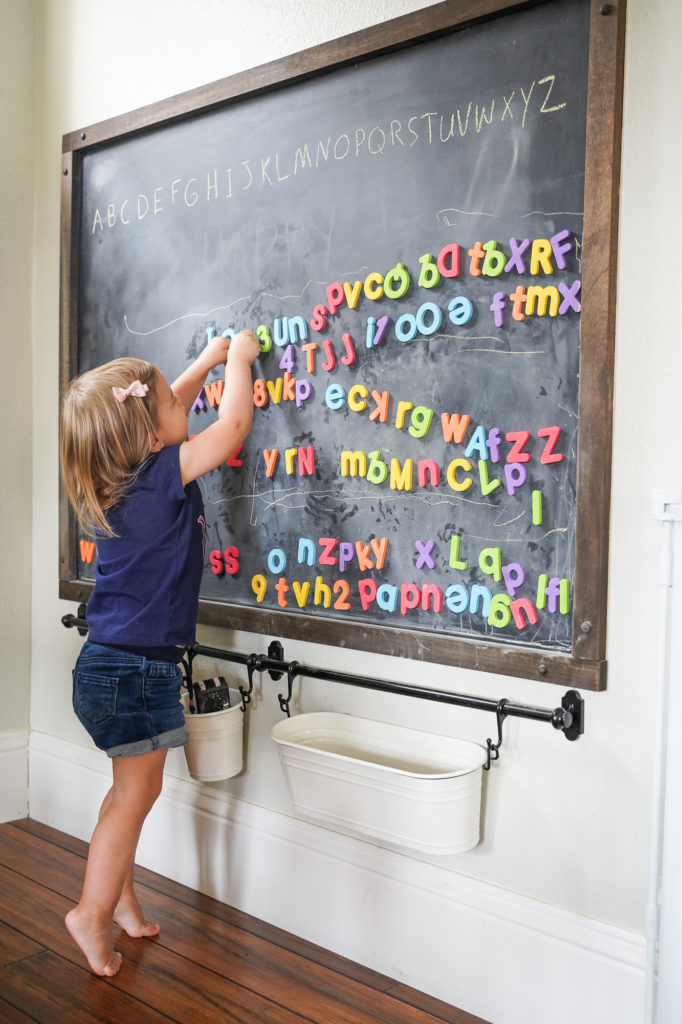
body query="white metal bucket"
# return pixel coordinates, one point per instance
(215, 750)
(389, 783)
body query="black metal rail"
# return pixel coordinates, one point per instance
(568, 718)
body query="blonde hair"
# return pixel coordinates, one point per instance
(104, 442)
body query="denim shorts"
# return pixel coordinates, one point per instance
(128, 704)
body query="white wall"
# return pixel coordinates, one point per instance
(566, 824)
(17, 63)
(17, 66)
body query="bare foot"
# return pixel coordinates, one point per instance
(95, 941)
(130, 917)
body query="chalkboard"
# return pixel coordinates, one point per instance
(405, 226)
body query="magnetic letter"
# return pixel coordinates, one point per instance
(319, 319)
(410, 597)
(429, 275)
(552, 435)
(514, 576)
(540, 253)
(571, 300)
(323, 593)
(457, 598)
(406, 327)
(498, 611)
(518, 298)
(335, 296)
(497, 307)
(304, 390)
(522, 604)
(476, 255)
(564, 595)
(454, 553)
(301, 592)
(494, 261)
(349, 357)
(381, 411)
(519, 439)
(270, 456)
(330, 361)
(453, 482)
(379, 548)
(436, 318)
(515, 475)
(448, 260)
(335, 396)
(420, 421)
(560, 246)
(493, 443)
(368, 591)
(326, 557)
(461, 310)
(454, 426)
(352, 293)
(387, 597)
(490, 562)
(515, 261)
(424, 549)
(487, 485)
(356, 398)
(548, 592)
(477, 444)
(277, 561)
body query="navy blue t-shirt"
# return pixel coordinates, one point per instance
(147, 577)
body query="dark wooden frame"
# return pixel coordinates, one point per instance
(585, 667)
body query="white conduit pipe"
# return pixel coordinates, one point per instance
(666, 507)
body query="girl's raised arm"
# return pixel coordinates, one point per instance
(210, 448)
(189, 383)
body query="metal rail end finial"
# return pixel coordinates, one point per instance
(78, 620)
(570, 718)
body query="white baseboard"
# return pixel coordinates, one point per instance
(500, 955)
(14, 775)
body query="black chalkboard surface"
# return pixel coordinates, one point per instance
(406, 233)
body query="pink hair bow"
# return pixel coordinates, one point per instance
(136, 389)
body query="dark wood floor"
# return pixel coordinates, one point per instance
(210, 964)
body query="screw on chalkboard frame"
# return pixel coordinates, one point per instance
(605, 9)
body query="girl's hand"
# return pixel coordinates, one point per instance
(216, 350)
(245, 346)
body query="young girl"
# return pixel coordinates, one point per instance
(132, 483)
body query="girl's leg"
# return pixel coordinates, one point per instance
(137, 784)
(128, 913)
